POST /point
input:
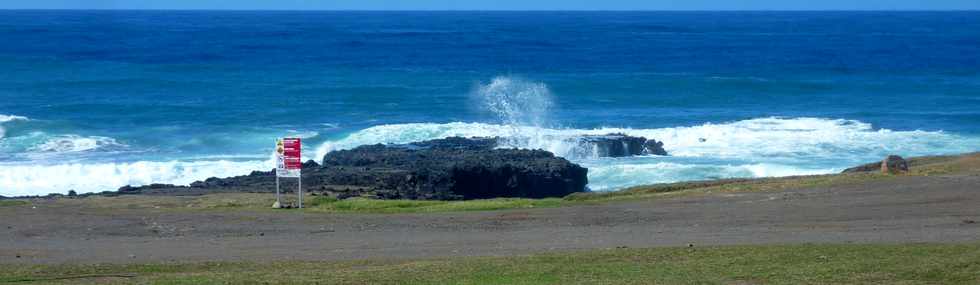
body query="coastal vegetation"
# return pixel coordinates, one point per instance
(751, 264)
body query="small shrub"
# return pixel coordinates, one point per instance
(322, 200)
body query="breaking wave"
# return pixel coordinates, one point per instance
(8, 118)
(21, 180)
(612, 176)
(773, 137)
(75, 143)
(762, 147)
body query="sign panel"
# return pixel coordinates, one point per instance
(289, 162)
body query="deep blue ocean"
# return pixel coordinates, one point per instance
(94, 100)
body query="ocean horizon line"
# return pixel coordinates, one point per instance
(502, 10)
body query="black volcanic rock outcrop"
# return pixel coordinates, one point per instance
(448, 169)
(892, 164)
(619, 145)
(444, 169)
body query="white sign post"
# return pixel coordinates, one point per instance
(289, 164)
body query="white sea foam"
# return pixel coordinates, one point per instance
(8, 118)
(612, 176)
(756, 138)
(762, 147)
(17, 180)
(302, 134)
(75, 143)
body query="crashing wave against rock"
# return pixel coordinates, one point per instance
(619, 145)
(444, 169)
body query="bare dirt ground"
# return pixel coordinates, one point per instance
(900, 210)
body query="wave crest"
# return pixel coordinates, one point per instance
(606, 177)
(21, 180)
(9, 118)
(762, 147)
(770, 137)
(75, 143)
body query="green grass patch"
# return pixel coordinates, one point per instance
(775, 264)
(12, 203)
(724, 186)
(919, 166)
(323, 204)
(363, 205)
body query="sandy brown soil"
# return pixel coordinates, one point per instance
(899, 210)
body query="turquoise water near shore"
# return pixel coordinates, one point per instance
(93, 100)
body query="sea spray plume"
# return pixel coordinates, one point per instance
(8, 118)
(75, 143)
(521, 106)
(518, 104)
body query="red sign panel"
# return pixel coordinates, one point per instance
(288, 157)
(292, 149)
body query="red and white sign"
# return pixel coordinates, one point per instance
(289, 162)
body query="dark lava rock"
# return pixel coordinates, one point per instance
(458, 143)
(892, 164)
(869, 167)
(446, 169)
(136, 190)
(608, 145)
(654, 147)
(620, 145)
(449, 169)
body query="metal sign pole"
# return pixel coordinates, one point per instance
(299, 180)
(278, 201)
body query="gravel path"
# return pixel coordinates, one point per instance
(900, 210)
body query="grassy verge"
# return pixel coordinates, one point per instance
(263, 202)
(779, 264)
(329, 204)
(10, 203)
(323, 204)
(725, 186)
(920, 166)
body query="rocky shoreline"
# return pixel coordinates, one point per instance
(444, 169)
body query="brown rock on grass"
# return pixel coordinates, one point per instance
(894, 164)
